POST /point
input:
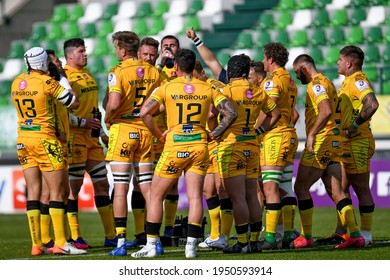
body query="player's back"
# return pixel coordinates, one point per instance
(248, 101)
(135, 80)
(33, 96)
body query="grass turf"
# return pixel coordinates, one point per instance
(15, 241)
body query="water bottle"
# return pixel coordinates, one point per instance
(96, 114)
(169, 62)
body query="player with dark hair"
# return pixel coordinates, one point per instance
(131, 143)
(278, 147)
(188, 102)
(85, 152)
(39, 150)
(322, 153)
(221, 217)
(238, 152)
(357, 104)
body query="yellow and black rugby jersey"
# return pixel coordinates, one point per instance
(281, 85)
(187, 101)
(86, 88)
(351, 94)
(33, 96)
(248, 101)
(215, 83)
(318, 89)
(134, 79)
(169, 72)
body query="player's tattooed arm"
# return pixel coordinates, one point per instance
(229, 114)
(370, 105)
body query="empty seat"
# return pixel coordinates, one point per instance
(374, 35)
(322, 3)
(126, 10)
(211, 7)
(101, 47)
(298, 38)
(194, 7)
(123, 24)
(223, 56)
(38, 32)
(301, 20)
(76, 12)
(140, 26)
(371, 54)
(157, 25)
(304, 4)
(110, 10)
(176, 8)
(89, 30)
(318, 37)
(17, 49)
(55, 31)
(71, 30)
(244, 40)
(284, 18)
(320, 18)
(386, 87)
(191, 21)
(386, 54)
(258, 54)
(286, 5)
(161, 7)
(337, 4)
(355, 35)
(282, 37)
(339, 18)
(144, 9)
(336, 36)
(371, 73)
(60, 13)
(93, 12)
(357, 15)
(266, 20)
(359, 3)
(375, 16)
(262, 38)
(174, 25)
(332, 55)
(105, 27)
(317, 55)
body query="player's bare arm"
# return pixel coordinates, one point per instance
(147, 112)
(229, 114)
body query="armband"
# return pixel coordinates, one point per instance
(159, 67)
(259, 130)
(355, 124)
(198, 42)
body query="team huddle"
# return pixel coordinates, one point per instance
(233, 138)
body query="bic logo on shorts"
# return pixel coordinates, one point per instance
(183, 154)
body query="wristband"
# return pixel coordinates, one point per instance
(355, 124)
(198, 42)
(160, 67)
(81, 122)
(102, 132)
(259, 130)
